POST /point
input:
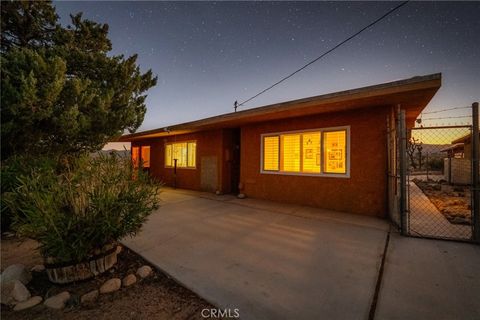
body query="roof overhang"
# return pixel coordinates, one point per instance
(411, 95)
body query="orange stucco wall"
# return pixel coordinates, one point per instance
(364, 192)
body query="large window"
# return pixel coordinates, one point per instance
(314, 152)
(183, 152)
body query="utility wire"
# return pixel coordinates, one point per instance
(441, 118)
(438, 111)
(327, 52)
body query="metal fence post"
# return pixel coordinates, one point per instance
(475, 173)
(402, 145)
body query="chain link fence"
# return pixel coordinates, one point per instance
(439, 182)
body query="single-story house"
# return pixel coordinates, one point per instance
(328, 151)
(458, 164)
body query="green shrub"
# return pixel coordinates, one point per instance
(11, 169)
(76, 209)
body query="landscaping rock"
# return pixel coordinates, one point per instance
(20, 292)
(119, 249)
(129, 280)
(16, 272)
(38, 268)
(111, 285)
(33, 301)
(6, 296)
(241, 196)
(89, 297)
(144, 271)
(58, 301)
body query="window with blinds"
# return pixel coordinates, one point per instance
(317, 152)
(290, 152)
(270, 153)
(183, 152)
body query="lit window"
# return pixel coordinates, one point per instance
(183, 152)
(290, 152)
(270, 153)
(168, 155)
(135, 156)
(311, 152)
(191, 151)
(145, 154)
(302, 152)
(334, 151)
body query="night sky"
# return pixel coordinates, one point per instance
(207, 54)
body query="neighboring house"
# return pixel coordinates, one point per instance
(327, 151)
(458, 164)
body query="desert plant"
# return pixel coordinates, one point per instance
(76, 208)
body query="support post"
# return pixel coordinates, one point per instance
(475, 173)
(402, 144)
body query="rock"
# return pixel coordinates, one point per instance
(129, 280)
(241, 196)
(16, 272)
(89, 297)
(6, 296)
(144, 271)
(8, 234)
(111, 285)
(58, 301)
(33, 301)
(38, 268)
(20, 292)
(119, 249)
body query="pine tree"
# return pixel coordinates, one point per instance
(61, 91)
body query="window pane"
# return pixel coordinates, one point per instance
(135, 154)
(180, 153)
(168, 155)
(270, 153)
(334, 151)
(311, 152)
(192, 148)
(146, 156)
(290, 154)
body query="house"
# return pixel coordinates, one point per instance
(327, 151)
(458, 164)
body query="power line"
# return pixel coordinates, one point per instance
(441, 118)
(438, 111)
(327, 52)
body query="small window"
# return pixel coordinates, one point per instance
(135, 156)
(311, 152)
(145, 155)
(184, 153)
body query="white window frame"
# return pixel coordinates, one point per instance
(310, 174)
(172, 143)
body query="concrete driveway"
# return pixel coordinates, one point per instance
(277, 261)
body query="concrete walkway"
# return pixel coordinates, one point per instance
(426, 220)
(277, 261)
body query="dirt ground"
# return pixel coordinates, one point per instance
(454, 202)
(157, 297)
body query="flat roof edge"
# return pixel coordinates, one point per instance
(431, 81)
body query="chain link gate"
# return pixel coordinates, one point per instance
(433, 180)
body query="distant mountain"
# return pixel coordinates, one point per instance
(122, 153)
(434, 148)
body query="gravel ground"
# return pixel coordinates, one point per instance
(157, 297)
